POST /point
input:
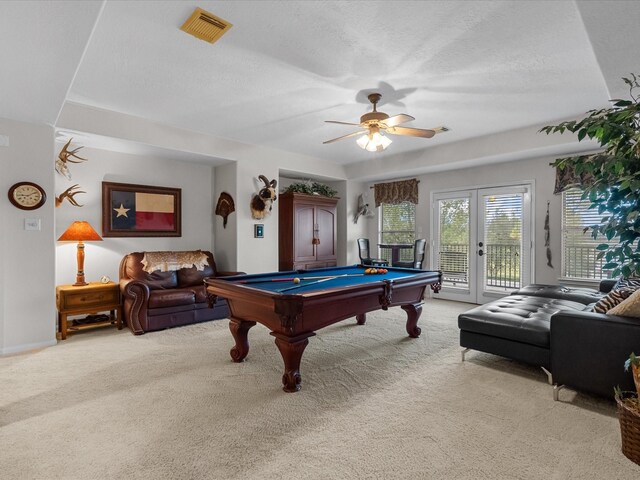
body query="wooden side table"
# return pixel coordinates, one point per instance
(87, 299)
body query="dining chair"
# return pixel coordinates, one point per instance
(419, 248)
(365, 255)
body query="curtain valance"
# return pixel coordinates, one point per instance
(393, 193)
(566, 177)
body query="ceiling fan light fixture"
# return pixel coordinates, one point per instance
(374, 142)
(375, 123)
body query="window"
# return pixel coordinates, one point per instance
(579, 248)
(398, 225)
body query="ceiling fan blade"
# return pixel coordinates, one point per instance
(340, 123)
(345, 136)
(396, 120)
(414, 132)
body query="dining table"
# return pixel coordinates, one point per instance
(396, 249)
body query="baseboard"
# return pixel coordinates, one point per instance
(26, 347)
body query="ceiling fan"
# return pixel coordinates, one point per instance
(375, 123)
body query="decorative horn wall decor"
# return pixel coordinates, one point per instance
(363, 209)
(262, 202)
(68, 194)
(65, 157)
(547, 236)
(225, 207)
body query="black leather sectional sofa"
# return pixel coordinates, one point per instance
(554, 327)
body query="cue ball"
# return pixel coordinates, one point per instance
(296, 280)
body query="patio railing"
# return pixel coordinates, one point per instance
(502, 263)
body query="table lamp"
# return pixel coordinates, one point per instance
(80, 232)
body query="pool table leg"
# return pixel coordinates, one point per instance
(291, 349)
(239, 330)
(361, 318)
(413, 314)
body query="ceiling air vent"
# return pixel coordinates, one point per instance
(205, 26)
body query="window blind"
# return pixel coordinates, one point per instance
(453, 251)
(578, 248)
(398, 225)
(503, 239)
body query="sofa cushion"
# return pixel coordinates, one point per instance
(171, 298)
(627, 282)
(161, 280)
(629, 307)
(173, 310)
(188, 277)
(200, 292)
(516, 317)
(613, 298)
(582, 295)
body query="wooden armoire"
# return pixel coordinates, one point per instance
(307, 231)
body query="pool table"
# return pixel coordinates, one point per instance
(295, 304)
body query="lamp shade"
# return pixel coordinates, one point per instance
(80, 231)
(374, 141)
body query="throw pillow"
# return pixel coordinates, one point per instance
(627, 282)
(629, 307)
(613, 298)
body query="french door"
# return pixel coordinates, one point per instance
(482, 242)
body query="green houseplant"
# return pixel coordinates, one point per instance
(611, 177)
(633, 363)
(311, 188)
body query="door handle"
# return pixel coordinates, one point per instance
(480, 252)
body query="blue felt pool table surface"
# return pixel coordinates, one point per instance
(344, 277)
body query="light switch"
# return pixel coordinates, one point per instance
(32, 224)
(4, 140)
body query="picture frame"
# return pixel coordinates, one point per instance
(258, 230)
(131, 210)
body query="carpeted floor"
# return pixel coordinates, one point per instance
(374, 404)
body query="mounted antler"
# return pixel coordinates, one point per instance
(65, 156)
(69, 194)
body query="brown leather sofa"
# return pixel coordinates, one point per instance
(159, 300)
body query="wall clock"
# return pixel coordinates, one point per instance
(27, 195)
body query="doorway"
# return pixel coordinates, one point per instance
(482, 241)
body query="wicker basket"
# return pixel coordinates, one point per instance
(629, 417)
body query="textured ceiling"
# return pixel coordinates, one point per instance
(286, 66)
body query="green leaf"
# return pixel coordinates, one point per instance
(581, 134)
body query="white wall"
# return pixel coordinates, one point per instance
(364, 225)
(103, 258)
(226, 239)
(27, 287)
(253, 255)
(513, 172)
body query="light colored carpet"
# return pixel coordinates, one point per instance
(374, 404)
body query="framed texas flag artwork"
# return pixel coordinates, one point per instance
(140, 211)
